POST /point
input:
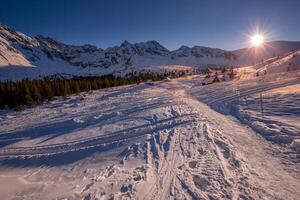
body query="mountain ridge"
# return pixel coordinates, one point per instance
(22, 56)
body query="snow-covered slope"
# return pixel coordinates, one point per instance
(22, 56)
(8, 54)
(251, 56)
(151, 142)
(278, 64)
(290, 62)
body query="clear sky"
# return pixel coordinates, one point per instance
(214, 23)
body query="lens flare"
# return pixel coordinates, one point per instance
(257, 40)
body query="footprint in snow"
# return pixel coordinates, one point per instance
(78, 120)
(97, 116)
(9, 116)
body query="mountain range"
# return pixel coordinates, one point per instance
(22, 56)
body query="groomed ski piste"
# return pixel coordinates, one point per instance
(165, 140)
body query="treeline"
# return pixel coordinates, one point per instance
(32, 92)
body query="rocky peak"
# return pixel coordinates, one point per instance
(49, 42)
(183, 51)
(151, 47)
(90, 48)
(15, 37)
(126, 44)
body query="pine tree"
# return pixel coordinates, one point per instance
(13, 97)
(27, 97)
(76, 88)
(2, 93)
(36, 94)
(1, 102)
(67, 87)
(106, 83)
(65, 93)
(223, 70)
(48, 93)
(94, 85)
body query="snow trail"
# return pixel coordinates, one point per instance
(154, 142)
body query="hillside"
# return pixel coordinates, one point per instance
(274, 65)
(289, 62)
(252, 55)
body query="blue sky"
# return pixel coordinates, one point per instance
(215, 23)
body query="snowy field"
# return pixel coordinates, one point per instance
(268, 104)
(157, 141)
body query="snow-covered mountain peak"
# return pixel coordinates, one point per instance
(151, 47)
(13, 36)
(125, 44)
(50, 43)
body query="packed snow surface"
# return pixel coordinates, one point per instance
(168, 140)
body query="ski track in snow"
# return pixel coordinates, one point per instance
(144, 142)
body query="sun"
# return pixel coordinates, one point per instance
(257, 40)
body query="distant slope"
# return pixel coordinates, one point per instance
(22, 56)
(251, 56)
(279, 64)
(290, 62)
